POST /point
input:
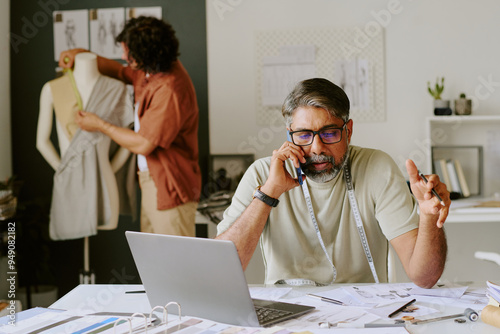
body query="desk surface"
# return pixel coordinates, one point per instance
(113, 298)
(464, 211)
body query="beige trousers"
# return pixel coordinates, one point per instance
(176, 221)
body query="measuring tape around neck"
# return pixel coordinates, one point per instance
(357, 218)
(359, 225)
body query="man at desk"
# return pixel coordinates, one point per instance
(321, 232)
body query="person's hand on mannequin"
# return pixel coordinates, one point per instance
(89, 121)
(67, 58)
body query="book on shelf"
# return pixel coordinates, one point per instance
(442, 172)
(455, 185)
(451, 173)
(461, 179)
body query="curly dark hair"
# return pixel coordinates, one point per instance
(151, 43)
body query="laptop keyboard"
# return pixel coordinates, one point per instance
(265, 314)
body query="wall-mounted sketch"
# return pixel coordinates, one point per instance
(70, 30)
(353, 77)
(105, 25)
(154, 11)
(282, 72)
(333, 47)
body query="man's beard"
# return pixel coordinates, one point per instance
(325, 175)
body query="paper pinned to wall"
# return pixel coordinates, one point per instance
(280, 73)
(105, 25)
(70, 30)
(331, 44)
(353, 76)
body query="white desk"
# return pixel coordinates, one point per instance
(478, 216)
(112, 298)
(462, 212)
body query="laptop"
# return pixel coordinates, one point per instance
(205, 277)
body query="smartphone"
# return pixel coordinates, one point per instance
(299, 171)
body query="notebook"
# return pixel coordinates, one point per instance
(204, 276)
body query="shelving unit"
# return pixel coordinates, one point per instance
(477, 130)
(468, 228)
(467, 131)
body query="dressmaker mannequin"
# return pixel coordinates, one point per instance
(86, 75)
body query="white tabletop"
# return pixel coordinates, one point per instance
(114, 298)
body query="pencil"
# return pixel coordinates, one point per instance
(326, 299)
(433, 190)
(401, 308)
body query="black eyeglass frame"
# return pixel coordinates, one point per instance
(318, 133)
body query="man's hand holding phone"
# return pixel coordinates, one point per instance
(279, 180)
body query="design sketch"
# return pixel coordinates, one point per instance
(105, 25)
(70, 30)
(101, 34)
(70, 34)
(353, 77)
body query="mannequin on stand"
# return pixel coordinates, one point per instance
(86, 194)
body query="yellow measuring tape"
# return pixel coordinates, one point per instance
(69, 71)
(75, 89)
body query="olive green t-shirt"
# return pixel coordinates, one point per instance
(290, 245)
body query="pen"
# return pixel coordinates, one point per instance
(349, 325)
(433, 191)
(401, 308)
(328, 300)
(137, 291)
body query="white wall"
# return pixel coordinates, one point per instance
(424, 39)
(5, 142)
(457, 39)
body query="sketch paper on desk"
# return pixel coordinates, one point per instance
(344, 296)
(440, 290)
(381, 293)
(389, 293)
(418, 310)
(474, 298)
(327, 312)
(268, 293)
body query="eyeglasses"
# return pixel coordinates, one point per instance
(328, 135)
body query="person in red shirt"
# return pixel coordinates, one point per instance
(165, 135)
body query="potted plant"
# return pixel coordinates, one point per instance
(463, 106)
(441, 107)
